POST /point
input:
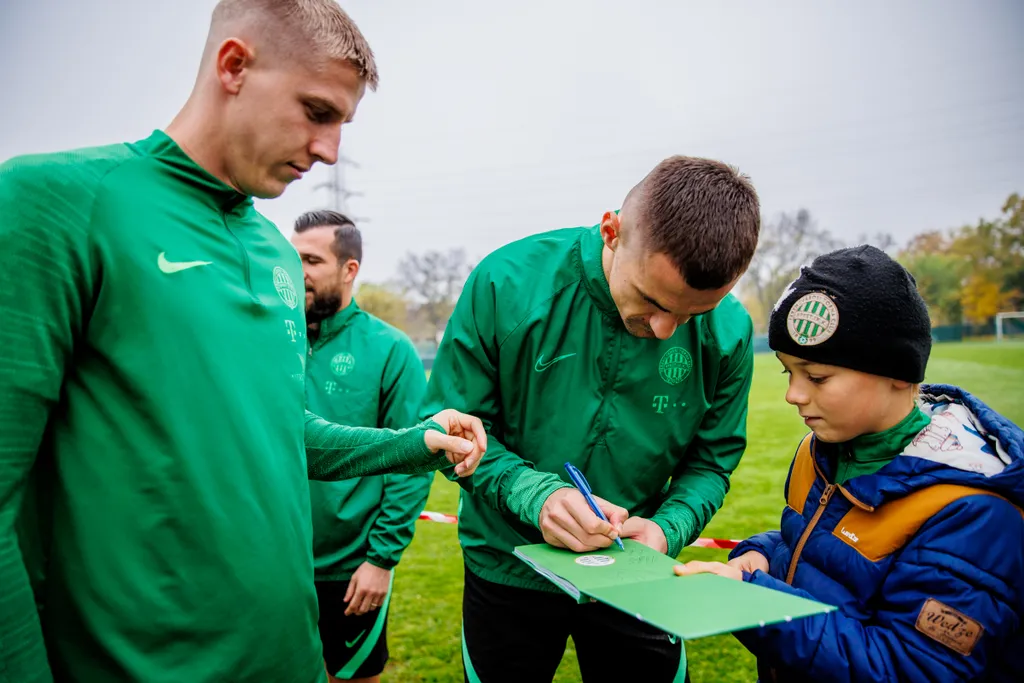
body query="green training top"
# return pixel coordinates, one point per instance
(537, 349)
(152, 428)
(364, 372)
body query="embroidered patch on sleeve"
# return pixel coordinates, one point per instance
(946, 625)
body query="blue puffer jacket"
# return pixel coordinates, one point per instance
(924, 558)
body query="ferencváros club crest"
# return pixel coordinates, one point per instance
(285, 287)
(813, 319)
(675, 365)
(342, 364)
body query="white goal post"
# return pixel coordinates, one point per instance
(1000, 317)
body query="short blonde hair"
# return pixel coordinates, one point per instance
(313, 28)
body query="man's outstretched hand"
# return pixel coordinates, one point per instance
(463, 445)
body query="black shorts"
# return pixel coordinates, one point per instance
(354, 646)
(519, 635)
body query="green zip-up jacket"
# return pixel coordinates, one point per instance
(537, 350)
(366, 373)
(153, 432)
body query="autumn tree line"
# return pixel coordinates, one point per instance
(966, 274)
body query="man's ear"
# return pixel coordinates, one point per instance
(611, 229)
(350, 270)
(233, 59)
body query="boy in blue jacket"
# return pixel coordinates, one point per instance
(903, 503)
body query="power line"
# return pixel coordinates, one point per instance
(339, 193)
(851, 139)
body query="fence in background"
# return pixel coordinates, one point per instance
(1013, 330)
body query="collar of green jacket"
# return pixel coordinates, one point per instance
(330, 327)
(161, 147)
(868, 453)
(591, 249)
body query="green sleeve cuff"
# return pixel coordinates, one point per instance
(680, 529)
(430, 424)
(441, 459)
(528, 492)
(381, 562)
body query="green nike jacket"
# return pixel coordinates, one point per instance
(366, 373)
(536, 348)
(154, 444)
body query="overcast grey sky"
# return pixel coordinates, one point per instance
(498, 120)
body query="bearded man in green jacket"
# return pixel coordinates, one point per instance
(617, 348)
(362, 372)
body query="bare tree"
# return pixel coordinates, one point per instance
(385, 303)
(434, 280)
(785, 244)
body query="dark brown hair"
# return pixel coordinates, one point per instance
(701, 213)
(348, 241)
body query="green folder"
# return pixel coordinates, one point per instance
(639, 581)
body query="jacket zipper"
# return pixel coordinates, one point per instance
(613, 366)
(843, 462)
(822, 503)
(245, 259)
(826, 495)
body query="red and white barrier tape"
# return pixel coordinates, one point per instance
(719, 543)
(439, 517)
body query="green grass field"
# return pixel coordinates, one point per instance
(425, 619)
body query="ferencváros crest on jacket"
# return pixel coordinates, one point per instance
(342, 364)
(285, 287)
(675, 365)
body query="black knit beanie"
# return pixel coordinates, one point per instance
(855, 308)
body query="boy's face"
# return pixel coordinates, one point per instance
(839, 404)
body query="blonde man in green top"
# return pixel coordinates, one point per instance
(152, 426)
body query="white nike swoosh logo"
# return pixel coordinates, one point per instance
(177, 266)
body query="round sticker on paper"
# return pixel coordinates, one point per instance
(595, 560)
(813, 319)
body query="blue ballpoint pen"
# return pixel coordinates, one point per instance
(584, 487)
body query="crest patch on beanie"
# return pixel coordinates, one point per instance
(813, 319)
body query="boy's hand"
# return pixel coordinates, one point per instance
(566, 521)
(647, 532)
(691, 568)
(750, 562)
(465, 443)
